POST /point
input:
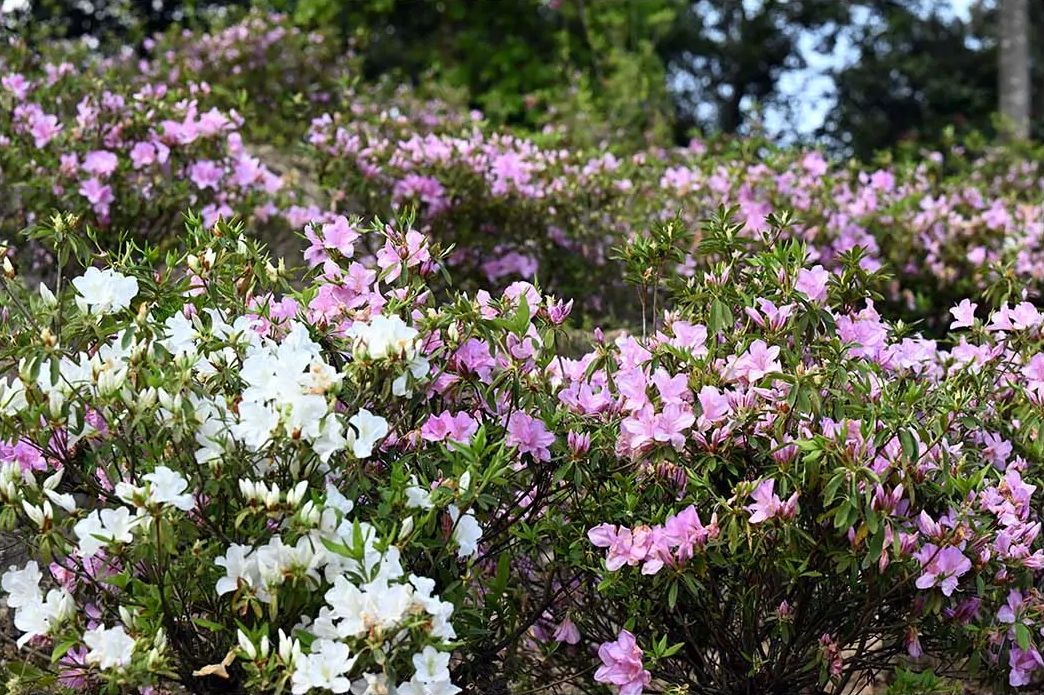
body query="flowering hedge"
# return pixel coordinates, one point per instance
(805, 490)
(945, 227)
(399, 469)
(220, 479)
(195, 122)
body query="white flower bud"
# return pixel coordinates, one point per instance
(465, 481)
(294, 497)
(48, 297)
(161, 639)
(310, 514)
(406, 528)
(65, 500)
(54, 479)
(152, 658)
(273, 496)
(147, 398)
(55, 401)
(289, 648)
(35, 514)
(110, 381)
(246, 645)
(265, 647)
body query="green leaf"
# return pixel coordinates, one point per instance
(208, 624)
(910, 448)
(1022, 636)
(62, 648)
(720, 316)
(832, 487)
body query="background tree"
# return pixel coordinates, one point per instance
(725, 58)
(915, 73)
(1014, 63)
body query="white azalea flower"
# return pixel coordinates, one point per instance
(102, 527)
(325, 668)
(109, 647)
(168, 487)
(466, 532)
(12, 397)
(104, 291)
(238, 564)
(181, 335)
(384, 336)
(37, 618)
(22, 585)
(366, 430)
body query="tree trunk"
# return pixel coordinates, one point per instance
(1014, 78)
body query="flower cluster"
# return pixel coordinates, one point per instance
(801, 425)
(297, 472)
(225, 472)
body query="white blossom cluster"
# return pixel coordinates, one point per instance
(370, 596)
(35, 614)
(230, 387)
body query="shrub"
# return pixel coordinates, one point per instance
(802, 491)
(224, 482)
(122, 157)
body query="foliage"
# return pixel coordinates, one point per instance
(238, 477)
(804, 449)
(802, 491)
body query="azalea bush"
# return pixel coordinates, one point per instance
(128, 158)
(221, 481)
(192, 120)
(946, 225)
(304, 403)
(803, 492)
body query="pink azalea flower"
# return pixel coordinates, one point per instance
(44, 128)
(1034, 372)
(25, 454)
(767, 504)
(143, 154)
(100, 163)
(622, 665)
(672, 423)
(690, 336)
(529, 435)
(98, 195)
(941, 567)
(1024, 316)
(340, 235)
(456, 428)
(1023, 663)
(759, 359)
(716, 406)
(813, 283)
(963, 315)
(617, 539)
(206, 174)
(474, 356)
(567, 632)
(672, 389)
(17, 85)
